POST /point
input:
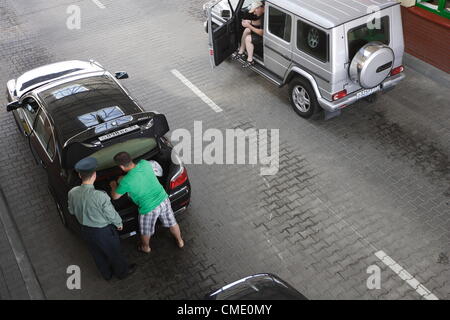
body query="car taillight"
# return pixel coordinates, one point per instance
(211, 52)
(339, 95)
(179, 179)
(397, 70)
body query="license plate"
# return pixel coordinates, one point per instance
(118, 133)
(367, 92)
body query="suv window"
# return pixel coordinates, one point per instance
(280, 24)
(44, 133)
(377, 30)
(312, 41)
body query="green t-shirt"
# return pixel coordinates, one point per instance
(143, 187)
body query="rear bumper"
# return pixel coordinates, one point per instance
(333, 106)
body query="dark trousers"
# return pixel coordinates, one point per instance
(104, 245)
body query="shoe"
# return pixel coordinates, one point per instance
(248, 64)
(131, 269)
(236, 55)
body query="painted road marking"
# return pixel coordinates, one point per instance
(197, 91)
(99, 4)
(406, 276)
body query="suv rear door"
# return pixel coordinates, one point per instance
(223, 29)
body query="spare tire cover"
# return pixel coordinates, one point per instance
(372, 64)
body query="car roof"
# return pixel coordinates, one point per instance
(84, 102)
(46, 74)
(264, 286)
(332, 13)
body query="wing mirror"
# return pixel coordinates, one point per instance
(226, 14)
(121, 75)
(13, 106)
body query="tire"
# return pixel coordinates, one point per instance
(60, 211)
(303, 98)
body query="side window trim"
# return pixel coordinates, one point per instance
(26, 113)
(328, 53)
(52, 136)
(267, 22)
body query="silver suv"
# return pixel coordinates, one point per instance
(331, 53)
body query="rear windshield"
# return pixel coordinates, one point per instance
(135, 147)
(375, 30)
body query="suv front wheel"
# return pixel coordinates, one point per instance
(303, 98)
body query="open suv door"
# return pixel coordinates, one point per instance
(223, 29)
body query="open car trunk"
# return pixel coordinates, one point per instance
(108, 171)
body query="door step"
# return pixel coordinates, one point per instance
(259, 69)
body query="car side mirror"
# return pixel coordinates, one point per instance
(226, 14)
(13, 106)
(121, 75)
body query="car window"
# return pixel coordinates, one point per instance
(312, 41)
(377, 30)
(44, 133)
(280, 24)
(30, 110)
(135, 147)
(223, 10)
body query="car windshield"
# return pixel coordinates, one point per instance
(376, 30)
(135, 147)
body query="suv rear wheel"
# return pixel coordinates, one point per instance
(303, 98)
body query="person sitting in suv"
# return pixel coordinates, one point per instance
(253, 34)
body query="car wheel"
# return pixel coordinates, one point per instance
(61, 214)
(60, 211)
(303, 98)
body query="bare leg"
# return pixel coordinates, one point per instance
(145, 243)
(247, 32)
(175, 230)
(250, 48)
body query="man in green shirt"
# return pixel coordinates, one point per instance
(148, 194)
(99, 222)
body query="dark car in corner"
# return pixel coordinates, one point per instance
(262, 286)
(75, 109)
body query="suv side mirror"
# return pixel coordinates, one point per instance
(13, 106)
(121, 75)
(226, 14)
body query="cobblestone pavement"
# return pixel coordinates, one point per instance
(376, 178)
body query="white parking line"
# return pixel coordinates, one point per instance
(406, 276)
(197, 91)
(99, 4)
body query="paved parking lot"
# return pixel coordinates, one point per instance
(373, 181)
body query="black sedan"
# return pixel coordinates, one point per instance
(262, 286)
(75, 109)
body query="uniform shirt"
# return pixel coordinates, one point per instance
(92, 208)
(143, 187)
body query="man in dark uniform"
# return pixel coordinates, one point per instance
(99, 222)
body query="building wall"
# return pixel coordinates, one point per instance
(427, 36)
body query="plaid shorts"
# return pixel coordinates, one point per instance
(165, 214)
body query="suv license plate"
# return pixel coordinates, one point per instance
(367, 92)
(117, 133)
